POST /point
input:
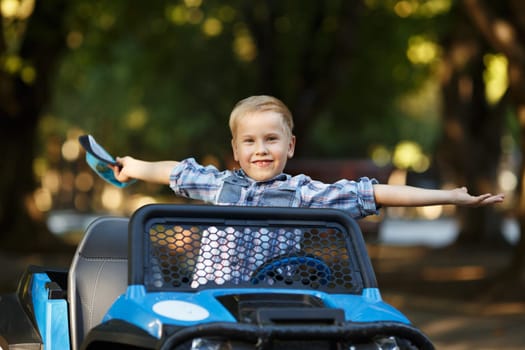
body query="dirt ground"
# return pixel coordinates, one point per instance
(454, 295)
(451, 295)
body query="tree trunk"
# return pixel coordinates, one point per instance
(505, 32)
(315, 83)
(21, 104)
(470, 149)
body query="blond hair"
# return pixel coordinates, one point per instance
(261, 103)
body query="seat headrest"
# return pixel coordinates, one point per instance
(107, 238)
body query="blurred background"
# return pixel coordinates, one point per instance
(422, 92)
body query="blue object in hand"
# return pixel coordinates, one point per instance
(100, 160)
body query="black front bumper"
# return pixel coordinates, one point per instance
(267, 336)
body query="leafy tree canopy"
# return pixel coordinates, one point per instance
(164, 75)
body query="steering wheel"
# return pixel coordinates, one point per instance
(303, 268)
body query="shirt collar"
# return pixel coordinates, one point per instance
(280, 177)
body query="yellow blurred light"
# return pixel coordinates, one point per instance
(137, 118)
(9, 8)
(20, 9)
(138, 201)
(28, 74)
(177, 14)
(244, 47)
(422, 164)
(43, 199)
(381, 155)
(71, 150)
(422, 50)
(26, 8)
(418, 8)
(84, 181)
(12, 64)
(51, 181)
(431, 8)
(495, 77)
(74, 39)
(407, 154)
(212, 27)
(507, 181)
(39, 166)
(193, 3)
(430, 212)
(111, 197)
(405, 8)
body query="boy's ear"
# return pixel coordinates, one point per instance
(234, 149)
(291, 147)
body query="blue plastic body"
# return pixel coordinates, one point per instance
(51, 315)
(136, 306)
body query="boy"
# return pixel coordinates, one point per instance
(262, 142)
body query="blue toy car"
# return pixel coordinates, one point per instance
(202, 277)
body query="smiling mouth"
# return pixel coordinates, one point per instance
(262, 163)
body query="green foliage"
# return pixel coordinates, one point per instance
(366, 109)
(147, 80)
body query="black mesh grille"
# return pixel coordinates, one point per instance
(188, 256)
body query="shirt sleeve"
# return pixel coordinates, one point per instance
(354, 197)
(191, 180)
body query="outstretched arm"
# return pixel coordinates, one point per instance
(155, 172)
(408, 196)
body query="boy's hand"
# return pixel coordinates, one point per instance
(120, 170)
(462, 197)
(129, 169)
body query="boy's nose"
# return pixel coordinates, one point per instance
(261, 148)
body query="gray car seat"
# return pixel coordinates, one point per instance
(98, 274)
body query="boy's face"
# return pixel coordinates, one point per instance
(262, 145)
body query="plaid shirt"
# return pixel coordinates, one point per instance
(191, 180)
